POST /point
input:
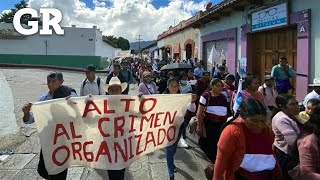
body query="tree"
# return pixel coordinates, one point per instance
(120, 42)
(8, 17)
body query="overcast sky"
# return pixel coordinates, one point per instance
(126, 18)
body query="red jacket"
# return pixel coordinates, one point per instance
(231, 151)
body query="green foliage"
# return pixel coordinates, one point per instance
(8, 17)
(120, 42)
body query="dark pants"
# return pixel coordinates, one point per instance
(44, 173)
(185, 125)
(286, 163)
(116, 174)
(209, 144)
(229, 112)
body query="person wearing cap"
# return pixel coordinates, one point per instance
(91, 84)
(116, 73)
(115, 87)
(147, 86)
(221, 72)
(269, 92)
(313, 94)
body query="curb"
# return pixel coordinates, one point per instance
(5, 65)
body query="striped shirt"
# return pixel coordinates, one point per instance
(217, 107)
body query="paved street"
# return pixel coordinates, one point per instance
(27, 85)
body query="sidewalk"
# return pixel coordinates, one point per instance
(8, 122)
(22, 165)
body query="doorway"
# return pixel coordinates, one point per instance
(188, 51)
(269, 46)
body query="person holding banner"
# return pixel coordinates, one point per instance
(115, 87)
(245, 146)
(56, 90)
(212, 114)
(173, 88)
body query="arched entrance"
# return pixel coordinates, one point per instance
(188, 49)
(167, 51)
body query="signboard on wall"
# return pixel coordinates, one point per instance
(270, 18)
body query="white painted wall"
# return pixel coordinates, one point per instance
(102, 48)
(314, 5)
(235, 20)
(75, 41)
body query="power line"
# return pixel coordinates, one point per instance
(139, 39)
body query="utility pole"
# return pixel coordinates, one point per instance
(139, 39)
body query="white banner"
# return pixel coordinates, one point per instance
(106, 132)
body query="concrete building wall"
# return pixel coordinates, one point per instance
(102, 48)
(181, 38)
(314, 5)
(75, 41)
(236, 20)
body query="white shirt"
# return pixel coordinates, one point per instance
(269, 95)
(92, 88)
(311, 95)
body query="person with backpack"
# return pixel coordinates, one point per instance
(91, 84)
(211, 115)
(56, 90)
(269, 92)
(245, 146)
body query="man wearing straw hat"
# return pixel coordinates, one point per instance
(115, 87)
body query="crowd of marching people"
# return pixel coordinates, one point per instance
(268, 136)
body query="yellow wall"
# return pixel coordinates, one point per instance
(181, 37)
